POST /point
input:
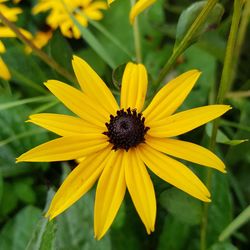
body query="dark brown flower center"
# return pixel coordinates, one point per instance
(126, 129)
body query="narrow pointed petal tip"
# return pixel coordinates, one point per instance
(48, 216)
(138, 8)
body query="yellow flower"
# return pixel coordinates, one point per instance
(59, 14)
(5, 32)
(4, 71)
(118, 142)
(40, 39)
(11, 14)
(139, 7)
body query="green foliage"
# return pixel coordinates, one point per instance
(189, 15)
(107, 45)
(16, 233)
(185, 208)
(43, 237)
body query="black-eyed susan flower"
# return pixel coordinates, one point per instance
(120, 142)
(59, 15)
(138, 8)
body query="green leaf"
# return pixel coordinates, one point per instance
(56, 46)
(235, 142)
(16, 233)
(197, 58)
(24, 192)
(223, 246)
(182, 206)
(175, 234)
(188, 16)
(220, 209)
(25, 70)
(15, 133)
(122, 30)
(1, 187)
(222, 138)
(9, 200)
(43, 238)
(111, 37)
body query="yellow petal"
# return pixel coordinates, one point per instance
(65, 148)
(173, 172)
(134, 86)
(139, 7)
(79, 181)
(8, 33)
(186, 151)
(2, 47)
(4, 72)
(64, 125)
(79, 103)
(171, 96)
(185, 121)
(140, 188)
(110, 1)
(109, 194)
(92, 85)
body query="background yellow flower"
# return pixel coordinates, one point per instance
(138, 8)
(59, 14)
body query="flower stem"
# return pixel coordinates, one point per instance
(241, 36)
(137, 42)
(43, 56)
(201, 18)
(223, 88)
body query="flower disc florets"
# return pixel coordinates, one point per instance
(126, 129)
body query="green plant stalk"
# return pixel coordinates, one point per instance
(235, 125)
(201, 18)
(240, 220)
(7, 105)
(48, 60)
(137, 41)
(241, 37)
(223, 88)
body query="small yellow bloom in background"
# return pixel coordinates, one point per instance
(4, 71)
(40, 39)
(11, 14)
(118, 142)
(138, 8)
(59, 14)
